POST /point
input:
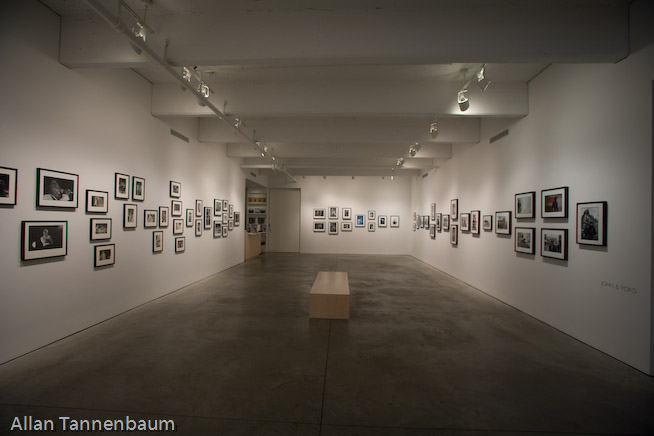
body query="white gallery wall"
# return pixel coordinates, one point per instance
(95, 123)
(589, 128)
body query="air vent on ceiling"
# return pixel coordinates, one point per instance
(252, 174)
(179, 135)
(499, 136)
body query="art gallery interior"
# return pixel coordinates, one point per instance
(283, 110)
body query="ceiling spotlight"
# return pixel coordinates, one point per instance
(392, 177)
(482, 80)
(273, 158)
(237, 122)
(413, 150)
(464, 102)
(263, 154)
(186, 74)
(203, 89)
(139, 31)
(433, 130)
(400, 162)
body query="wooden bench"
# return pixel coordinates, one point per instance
(330, 296)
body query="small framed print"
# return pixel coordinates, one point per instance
(524, 240)
(418, 221)
(176, 208)
(413, 226)
(591, 223)
(230, 225)
(371, 226)
(198, 227)
(318, 226)
(157, 241)
(360, 220)
(439, 222)
(371, 216)
(319, 214)
(43, 239)
(121, 186)
(554, 203)
(178, 226)
(432, 231)
(346, 213)
(446, 222)
(454, 209)
(414, 216)
(333, 227)
(395, 221)
(231, 211)
(8, 177)
(475, 217)
(175, 189)
(382, 221)
(163, 216)
(525, 205)
(465, 222)
(207, 218)
(150, 218)
(225, 205)
(554, 243)
(129, 215)
(198, 208)
(503, 222)
(189, 217)
(138, 188)
(97, 201)
(224, 231)
(217, 206)
(100, 229)
(425, 222)
(218, 229)
(237, 219)
(225, 218)
(56, 189)
(333, 212)
(104, 255)
(432, 211)
(180, 244)
(346, 226)
(488, 223)
(454, 235)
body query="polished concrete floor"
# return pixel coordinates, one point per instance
(423, 354)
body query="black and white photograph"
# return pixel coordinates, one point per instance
(446, 222)
(217, 207)
(524, 240)
(346, 213)
(465, 222)
(130, 213)
(319, 214)
(164, 217)
(554, 243)
(97, 201)
(43, 239)
(104, 255)
(454, 209)
(230, 225)
(425, 222)
(217, 229)
(475, 218)
(56, 189)
(503, 222)
(198, 208)
(189, 217)
(591, 223)
(488, 223)
(8, 177)
(346, 226)
(176, 208)
(225, 205)
(525, 205)
(382, 221)
(371, 215)
(231, 211)
(121, 186)
(454, 234)
(439, 222)
(138, 188)
(224, 231)
(207, 218)
(178, 226)
(395, 221)
(333, 212)
(237, 219)
(157, 241)
(100, 229)
(432, 231)
(360, 220)
(371, 226)
(554, 203)
(432, 212)
(180, 244)
(333, 227)
(318, 226)
(413, 226)
(198, 227)
(175, 189)
(225, 217)
(150, 218)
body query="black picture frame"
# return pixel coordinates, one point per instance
(130, 213)
(150, 218)
(525, 240)
(439, 222)
(432, 212)
(319, 226)
(454, 209)
(189, 217)
(198, 208)
(554, 203)
(475, 222)
(454, 235)
(104, 255)
(218, 228)
(178, 226)
(180, 244)
(207, 218)
(487, 221)
(121, 186)
(554, 243)
(198, 227)
(525, 205)
(217, 206)
(503, 222)
(157, 241)
(100, 229)
(8, 186)
(237, 219)
(97, 201)
(164, 216)
(432, 231)
(176, 207)
(43, 239)
(465, 222)
(224, 231)
(138, 188)
(56, 189)
(225, 205)
(591, 223)
(446, 222)
(175, 189)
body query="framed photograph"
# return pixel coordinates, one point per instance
(198, 208)
(180, 244)
(554, 203)
(525, 205)
(454, 209)
(217, 229)
(150, 218)
(207, 218)
(225, 218)
(43, 239)
(432, 231)
(446, 222)
(237, 219)
(198, 227)
(56, 189)
(319, 214)
(231, 211)
(138, 188)
(475, 217)
(418, 221)
(230, 225)
(8, 177)
(333, 227)
(371, 216)
(413, 226)
(432, 212)
(97, 201)
(104, 255)
(100, 229)
(346, 226)
(488, 223)
(425, 222)
(129, 215)
(176, 208)
(414, 216)
(224, 231)
(503, 222)
(225, 205)
(382, 221)
(157, 241)
(465, 222)
(163, 216)
(395, 221)
(591, 223)
(175, 189)
(178, 227)
(121, 186)
(454, 235)
(524, 240)
(554, 243)
(360, 220)
(333, 212)
(318, 226)
(217, 207)
(346, 213)
(189, 217)
(439, 221)
(371, 226)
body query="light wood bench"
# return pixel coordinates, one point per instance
(330, 296)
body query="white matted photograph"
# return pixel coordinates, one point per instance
(524, 240)
(8, 177)
(56, 189)
(43, 239)
(104, 255)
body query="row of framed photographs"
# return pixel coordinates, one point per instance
(359, 219)
(332, 226)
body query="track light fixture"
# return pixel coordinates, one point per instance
(482, 80)
(414, 149)
(433, 130)
(139, 31)
(400, 162)
(237, 122)
(204, 90)
(462, 99)
(392, 177)
(186, 74)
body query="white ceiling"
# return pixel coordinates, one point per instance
(344, 87)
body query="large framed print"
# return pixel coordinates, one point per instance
(525, 205)
(554, 203)
(454, 209)
(175, 189)
(163, 216)
(121, 186)
(56, 189)
(129, 215)
(100, 229)
(180, 244)
(207, 218)
(475, 222)
(382, 221)
(178, 226)
(175, 208)
(8, 177)
(360, 220)
(104, 255)
(198, 208)
(43, 239)
(346, 213)
(138, 188)
(554, 243)
(333, 227)
(217, 207)
(319, 214)
(395, 221)
(333, 212)
(446, 222)
(150, 218)
(189, 217)
(503, 222)
(488, 223)
(218, 229)
(591, 223)
(157, 241)
(524, 240)
(97, 201)
(465, 222)
(454, 235)
(318, 226)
